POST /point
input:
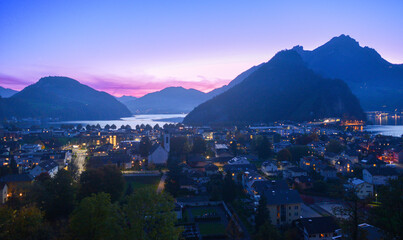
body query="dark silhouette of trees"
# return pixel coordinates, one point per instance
(389, 215)
(145, 146)
(25, 223)
(107, 179)
(334, 146)
(179, 146)
(267, 232)
(96, 218)
(150, 216)
(199, 145)
(262, 213)
(229, 190)
(284, 155)
(298, 151)
(263, 147)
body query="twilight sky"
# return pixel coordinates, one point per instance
(136, 47)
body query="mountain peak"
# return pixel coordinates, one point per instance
(287, 57)
(57, 80)
(343, 41)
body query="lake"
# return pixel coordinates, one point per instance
(161, 119)
(151, 119)
(387, 130)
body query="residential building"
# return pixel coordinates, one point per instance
(284, 204)
(158, 155)
(3, 192)
(269, 168)
(317, 228)
(293, 172)
(361, 188)
(379, 175)
(49, 166)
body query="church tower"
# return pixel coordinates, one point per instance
(167, 141)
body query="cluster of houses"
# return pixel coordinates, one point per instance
(276, 181)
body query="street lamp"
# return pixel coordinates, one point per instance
(376, 197)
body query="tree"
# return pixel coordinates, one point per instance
(179, 146)
(150, 216)
(113, 126)
(229, 188)
(334, 146)
(157, 127)
(263, 147)
(96, 218)
(54, 196)
(298, 151)
(148, 127)
(262, 213)
(172, 183)
(26, 223)
(353, 209)
(63, 190)
(199, 145)
(145, 146)
(107, 127)
(234, 148)
(215, 187)
(107, 179)
(267, 232)
(284, 155)
(389, 215)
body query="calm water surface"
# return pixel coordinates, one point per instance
(151, 119)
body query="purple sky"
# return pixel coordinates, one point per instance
(136, 47)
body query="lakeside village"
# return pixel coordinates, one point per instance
(318, 180)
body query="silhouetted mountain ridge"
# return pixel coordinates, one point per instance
(63, 98)
(375, 81)
(281, 89)
(6, 92)
(168, 100)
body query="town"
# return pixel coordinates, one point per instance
(314, 180)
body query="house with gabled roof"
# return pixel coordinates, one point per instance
(323, 228)
(379, 175)
(157, 155)
(49, 166)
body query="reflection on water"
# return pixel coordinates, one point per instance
(151, 119)
(385, 118)
(387, 130)
(385, 123)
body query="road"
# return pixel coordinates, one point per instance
(161, 185)
(308, 212)
(79, 159)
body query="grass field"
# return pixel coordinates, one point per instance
(139, 182)
(211, 228)
(201, 211)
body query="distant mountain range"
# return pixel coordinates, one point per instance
(168, 100)
(64, 99)
(282, 89)
(234, 82)
(6, 92)
(377, 83)
(124, 99)
(177, 99)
